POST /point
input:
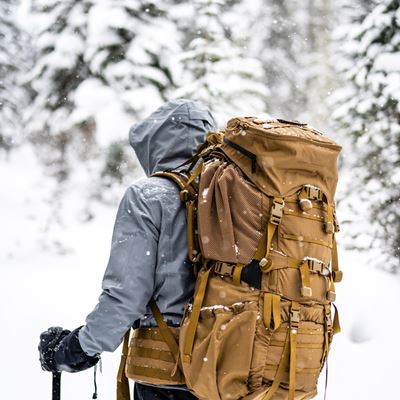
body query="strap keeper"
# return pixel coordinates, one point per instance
(331, 296)
(329, 228)
(337, 276)
(265, 264)
(184, 195)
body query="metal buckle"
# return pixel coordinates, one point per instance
(277, 211)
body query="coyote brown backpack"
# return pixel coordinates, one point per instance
(261, 233)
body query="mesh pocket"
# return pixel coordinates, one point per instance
(229, 214)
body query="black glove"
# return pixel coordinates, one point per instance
(66, 354)
(49, 342)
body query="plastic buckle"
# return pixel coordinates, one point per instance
(277, 211)
(316, 266)
(224, 269)
(314, 193)
(328, 320)
(294, 319)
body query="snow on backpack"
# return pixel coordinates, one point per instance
(261, 233)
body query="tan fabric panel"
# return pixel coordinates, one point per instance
(288, 156)
(150, 359)
(217, 371)
(231, 319)
(230, 214)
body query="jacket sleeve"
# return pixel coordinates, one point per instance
(128, 283)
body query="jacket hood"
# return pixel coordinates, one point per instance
(171, 134)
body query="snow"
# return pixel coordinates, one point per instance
(46, 288)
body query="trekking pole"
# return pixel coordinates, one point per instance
(56, 390)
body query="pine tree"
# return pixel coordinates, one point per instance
(12, 93)
(58, 71)
(215, 68)
(132, 48)
(369, 112)
(292, 40)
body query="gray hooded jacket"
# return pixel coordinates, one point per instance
(149, 247)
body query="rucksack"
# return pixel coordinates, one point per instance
(261, 225)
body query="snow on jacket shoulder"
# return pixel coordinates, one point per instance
(148, 252)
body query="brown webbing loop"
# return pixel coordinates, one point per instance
(166, 333)
(272, 310)
(294, 326)
(194, 318)
(190, 228)
(237, 273)
(280, 371)
(336, 323)
(337, 275)
(276, 213)
(304, 269)
(123, 391)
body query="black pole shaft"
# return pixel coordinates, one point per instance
(56, 393)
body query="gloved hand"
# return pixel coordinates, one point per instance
(60, 350)
(48, 345)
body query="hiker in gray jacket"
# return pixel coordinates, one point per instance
(148, 253)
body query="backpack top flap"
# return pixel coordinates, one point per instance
(280, 156)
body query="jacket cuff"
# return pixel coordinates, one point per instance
(69, 355)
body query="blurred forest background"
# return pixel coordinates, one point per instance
(76, 74)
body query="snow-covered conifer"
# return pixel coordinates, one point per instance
(215, 67)
(58, 71)
(12, 93)
(369, 112)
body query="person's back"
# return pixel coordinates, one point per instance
(149, 251)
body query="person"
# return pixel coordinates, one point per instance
(148, 252)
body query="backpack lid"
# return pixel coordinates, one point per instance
(280, 156)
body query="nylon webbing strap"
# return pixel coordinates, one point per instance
(304, 269)
(274, 220)
(337, 275)
(336, 323)
(294, 326)
(272, 310)
(123, 391)
(154, 354)
(190, 228)
(280, 372)
(194, 318)
(152, 372)
(164, 330)
(237, 273)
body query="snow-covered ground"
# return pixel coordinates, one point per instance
(59, 287)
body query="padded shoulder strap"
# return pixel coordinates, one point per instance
(188, 196)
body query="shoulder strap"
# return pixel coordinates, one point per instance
(188, 195)
(164, 330)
